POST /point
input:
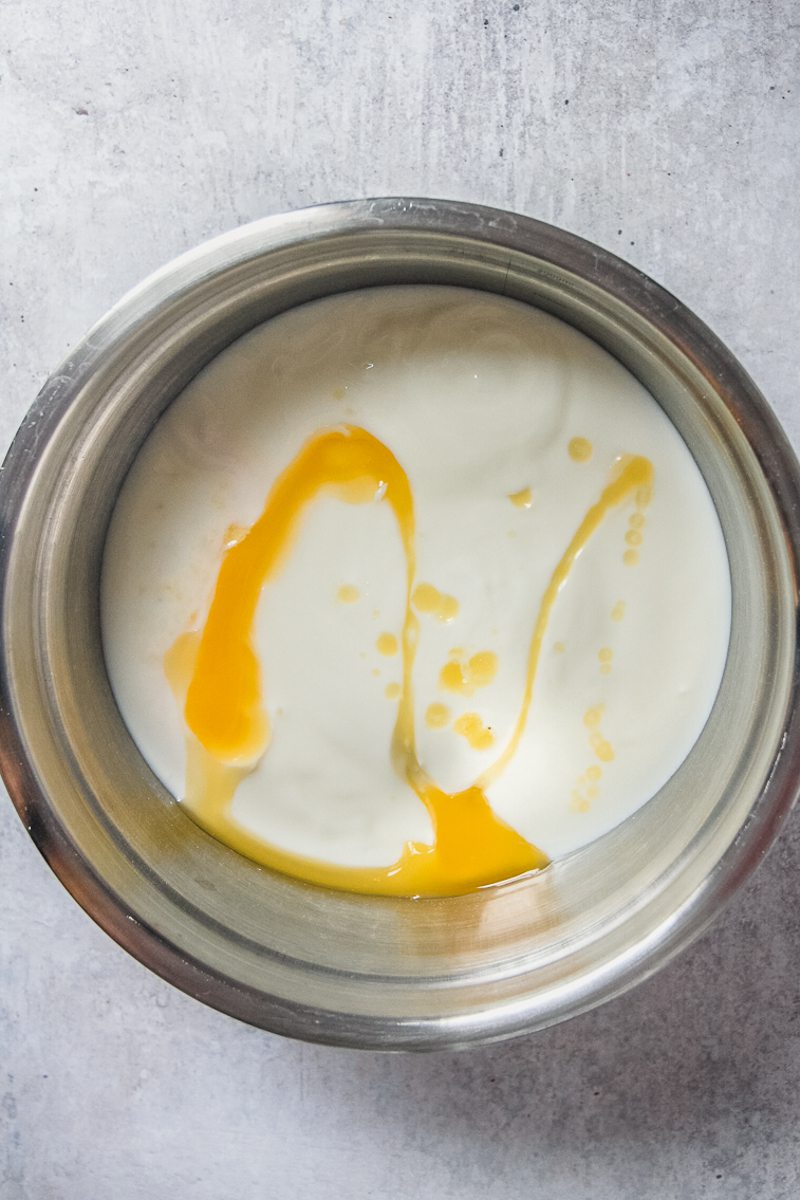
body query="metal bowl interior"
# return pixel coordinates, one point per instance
(322, 965)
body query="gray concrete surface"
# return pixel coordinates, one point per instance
(132, 129)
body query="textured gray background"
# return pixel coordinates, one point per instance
(132, 129)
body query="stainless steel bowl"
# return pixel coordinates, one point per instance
(355, 970)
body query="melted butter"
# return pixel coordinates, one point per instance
(522, 498)
(429, 600)
(634, 475)
(580, 449)
(234, 534)
(602, 748)
(593, 716)
(587, 787)
(387, 644)
(348, 594)
(471, 727)
(464, 677)
(437, 716)
(229, 730)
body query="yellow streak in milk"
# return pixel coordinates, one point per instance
(218, 672)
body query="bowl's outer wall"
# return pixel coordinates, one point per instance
(326, 966)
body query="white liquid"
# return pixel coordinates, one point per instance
(478, 398)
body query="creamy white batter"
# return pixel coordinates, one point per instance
(481, 400)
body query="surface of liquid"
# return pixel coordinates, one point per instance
(375, 669)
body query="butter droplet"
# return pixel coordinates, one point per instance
(448, 609)
(559, 647)
(522, 498)
(482, 668)
(630, 558)
(387, 644)
(606, 654)
(348, 593)
(426, 597)
(580, 449)
(437, 716)
(603, 749)
(464, 678)
(633, 537)
(392, 691)
(429, 600)
(618, 611)
(471, 727)
(451, 677)
(593, 716)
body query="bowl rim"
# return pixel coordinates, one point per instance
(476, 223)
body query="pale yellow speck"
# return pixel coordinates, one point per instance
(392, 691)
(387, 644)
(437, 716)
(559, 647)
(339, 393)
(630, 558)
(643, 496)
(637, 520)
(580, 449)
(471, 727)
(376, 671)
(522, 498)
(579, 803)
(603, 749)
(348, 593)
(633, 537)
(606, 654)
(605, 668)
(457, 652)
(618, 611)
(594, 773)
(593, 716)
